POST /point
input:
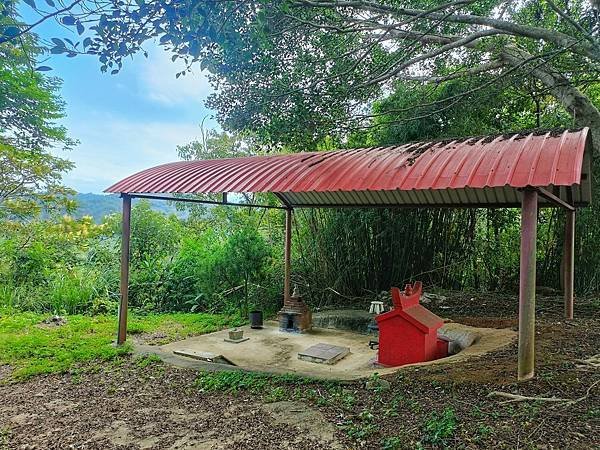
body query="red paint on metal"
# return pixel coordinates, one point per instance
(408, 333)
(516, 161)
(442, 348)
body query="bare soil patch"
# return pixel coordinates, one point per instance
(156, 338)
(128, 405)
(5, 372)
(156, 407)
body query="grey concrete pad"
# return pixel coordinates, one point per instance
(322, 353)
(269, 350)
(236, 341)
(203, 356)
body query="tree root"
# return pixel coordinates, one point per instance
(513, 398)
(590, 363)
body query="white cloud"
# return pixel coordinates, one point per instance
(158, 80)
(113, 148)
(120, 131)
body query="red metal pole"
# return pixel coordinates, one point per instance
(569, 263)
(529, 212)
(287, 254)
(126, 231)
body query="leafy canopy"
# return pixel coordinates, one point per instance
(30, 105)
(296, 71)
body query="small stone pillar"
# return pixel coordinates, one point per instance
(294, 317)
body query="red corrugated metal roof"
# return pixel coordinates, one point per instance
(460, 172)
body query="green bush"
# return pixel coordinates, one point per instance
(194, 282)
(31, 263)
(73, 291)
(440, 427)
(13, 297)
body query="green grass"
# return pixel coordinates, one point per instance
(176, 326)
(440, 427)
(30, 348)
(4, 435)
(391, 443)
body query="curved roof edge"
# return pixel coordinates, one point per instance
(471, 172)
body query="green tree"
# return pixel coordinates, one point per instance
(31, 180)
(298, 70)
(154, 235)
(31, 177)
(244, 257)
(217, 145)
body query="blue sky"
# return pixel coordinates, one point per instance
(129, 121)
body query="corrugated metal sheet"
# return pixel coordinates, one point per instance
(466, 172)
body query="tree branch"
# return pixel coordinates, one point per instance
(483, 68)
(516, 29)
(40, 21)
(583, 110)
(462, 42)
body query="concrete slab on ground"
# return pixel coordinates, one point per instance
(322, 353)
(202, 356)
(270, 350)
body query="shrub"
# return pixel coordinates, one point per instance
(440, 427)
(193, 281)
(244, 259)
(73, 291)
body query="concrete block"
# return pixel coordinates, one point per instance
(322, 353)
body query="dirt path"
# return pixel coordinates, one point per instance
(155, 408)
(136, 404)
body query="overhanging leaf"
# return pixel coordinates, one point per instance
(68, 20)
(11, 32)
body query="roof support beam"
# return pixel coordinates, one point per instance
(124, 283)
(554, 199)
(205, 202)
(569, 263)
(432, 206)
(529, 213)
(283, 200)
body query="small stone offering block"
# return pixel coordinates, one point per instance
(236, 341)
(322, 353)
(236, 336)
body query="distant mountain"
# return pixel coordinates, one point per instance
(100, 205)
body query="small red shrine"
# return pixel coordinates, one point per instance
(408, 333)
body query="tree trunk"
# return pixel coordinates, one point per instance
(584, 113)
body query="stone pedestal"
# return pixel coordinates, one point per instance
(294, 317)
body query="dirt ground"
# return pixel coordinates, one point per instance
(128, 405)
